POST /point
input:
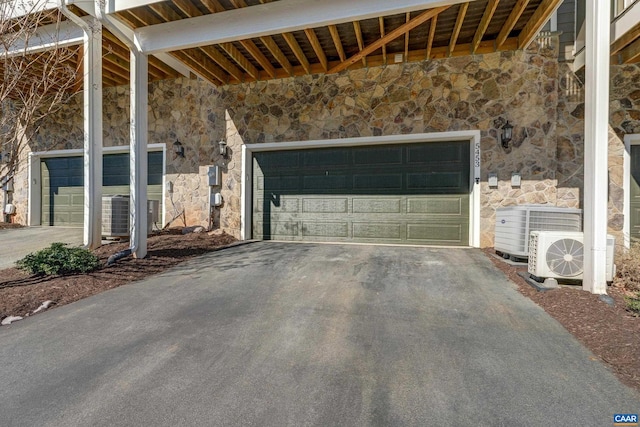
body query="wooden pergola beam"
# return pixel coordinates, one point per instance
(462, 12)
(358, 30)
(277, 53)
(382, 35)
(297, 51)
(196, 65)
(406, 37)
(631, 53)
(317, 48)
(432, 33)
(484, 23)
(511, 22)
(255, 52)
(626, 39)
(423, 17)
(539, 18)
(242, 61)
(335, 36)
(216, 56)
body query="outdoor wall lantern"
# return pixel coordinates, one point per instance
(222, 145)
(178, 149)
(506, 134)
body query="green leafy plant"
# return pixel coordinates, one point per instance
(634, 303)
(59, 259)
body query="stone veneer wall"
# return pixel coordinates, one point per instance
(462, 93)
(624, 116)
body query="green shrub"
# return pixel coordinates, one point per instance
(59, 259)
(634, 303)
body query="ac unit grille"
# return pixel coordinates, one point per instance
(115, 216)
(565, 257)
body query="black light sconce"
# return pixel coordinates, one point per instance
(222, 145)
(506, 134)
(178, 149)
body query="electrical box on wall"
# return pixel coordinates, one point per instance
(216, 199)
(515, 179)
(493, 180)
(214, 175)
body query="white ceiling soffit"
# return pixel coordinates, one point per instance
(47, 37)
(268, 19)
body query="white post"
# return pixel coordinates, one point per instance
(595, 145)
(138, 152)
(92, 134)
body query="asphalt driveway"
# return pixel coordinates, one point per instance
(15, 243)
(274, 334)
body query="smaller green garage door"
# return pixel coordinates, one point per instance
(63, 181)
(634, 208)
(410, 193)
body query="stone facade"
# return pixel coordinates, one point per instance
(531, 89)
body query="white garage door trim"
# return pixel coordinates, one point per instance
(629, 140)
(35, 191)
(472, 136)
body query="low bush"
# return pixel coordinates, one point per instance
(59, 259)
(628, 268)
(633, 303)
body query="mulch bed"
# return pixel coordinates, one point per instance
(612, 333)
(21, 293)
(6, 225)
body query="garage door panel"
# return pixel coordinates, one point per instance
(378, 181)
(439, 206)
(634, 208)
(323, 205)
(375, 156)
(371, 200)
(380, 206)
(377, 230)
(326, 230)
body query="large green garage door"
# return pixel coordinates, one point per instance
(413, 193)
(63, 180)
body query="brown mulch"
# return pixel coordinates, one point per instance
(21, 293)
(611, 333)
(7, 225)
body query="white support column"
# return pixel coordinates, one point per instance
(598, 24)
(138, 153)
(92, 134)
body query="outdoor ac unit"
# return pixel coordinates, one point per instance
(515, 223)
(115, 216)
(560, 255)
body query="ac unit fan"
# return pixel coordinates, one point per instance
(560, 255)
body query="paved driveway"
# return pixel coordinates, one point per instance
(15, 243)
(273, 334)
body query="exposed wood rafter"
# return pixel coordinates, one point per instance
(626, 39)
(484, 23)
(511, 22)
(406, 38)
(277, 53)
(382, 34)
(255, 52)
(631, 53)
(297, 51)
(237, 56)
(335, 35)
(539, 18)
(317, 48)
(432, 32)
(358, 30)
(462, 12)
(423, 17)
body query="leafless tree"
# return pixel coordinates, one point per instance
(35, 82)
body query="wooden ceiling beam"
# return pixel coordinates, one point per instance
(406, 37)
(242, 61)
(358, 30)
(164, 11)
(631, 53)
(317, 48)
(155, 62)
(511, 22)
(628, 38)
(423, 17)
(116, 69)
(462, 12)
(197, 66)
(255, 52)
(382, 35)
(216, 56)
(539, 18)
(297, 51)
(484, 23)
(432, 34)
(213, 6)
(188, 8)
(335, 36)
(272, 46)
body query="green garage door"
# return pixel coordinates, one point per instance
(413, 194)
(634, 208)
(63, 180)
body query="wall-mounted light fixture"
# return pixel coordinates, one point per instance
(506, 134)
(222, 145)
(178, 149)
